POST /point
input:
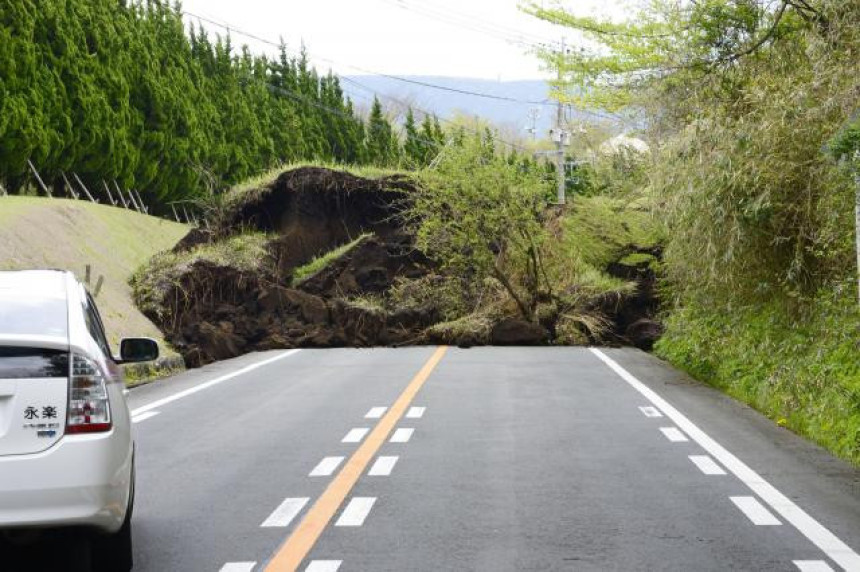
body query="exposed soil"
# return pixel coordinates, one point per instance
(314, 210)
(634, 317)
(213, 311)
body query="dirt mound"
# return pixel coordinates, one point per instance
(213, 303)
(634, 317)
(371, 266)
(281, 268)
(314, 210)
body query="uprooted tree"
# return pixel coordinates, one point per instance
(480, 217)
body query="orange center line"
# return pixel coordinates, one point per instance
(299, 544)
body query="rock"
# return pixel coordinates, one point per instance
(518, 332)
(217, 343)
(644, 333)
(313, 309)
(375, 279)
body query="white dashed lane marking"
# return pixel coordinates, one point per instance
(649, 411)
(238, 567)
(324, 566)
(673, 434)
(818, 534)
(707, 465)
(144, 416)
(355, 435)
(356, 511)
(285, 513)
(382, 467)
(755, 511)
(402, 435)
(326, 467)
(375, 412)
(813, 566)
(415, 412)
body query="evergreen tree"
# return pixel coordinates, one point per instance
(382, 146)
(414, 149)
(121, 90)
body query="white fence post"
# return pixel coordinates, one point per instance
(84, 187)
(39, 179)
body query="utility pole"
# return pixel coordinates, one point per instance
(857, 212)
(560, 135)
(534, 114)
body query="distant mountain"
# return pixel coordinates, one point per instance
(512, 115)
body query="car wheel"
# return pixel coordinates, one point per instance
(113, 552)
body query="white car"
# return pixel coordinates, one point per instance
(66, 449)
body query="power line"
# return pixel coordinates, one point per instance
(230, 28)
(470, 22)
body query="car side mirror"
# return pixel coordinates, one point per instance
(135, 350)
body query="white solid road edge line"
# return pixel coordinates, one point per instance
(238, 567)
(755, 511)
(144, 416)
(192, 390)
(324, 566)
(819, 535)
(812, 566)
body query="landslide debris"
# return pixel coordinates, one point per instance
(320, 258)
(281, 267)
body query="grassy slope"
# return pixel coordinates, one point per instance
(59, 233)
(801, 371)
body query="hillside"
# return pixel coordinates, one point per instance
(511, 114)
(58, 233)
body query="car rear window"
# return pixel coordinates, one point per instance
(28, 363)
(27, 315)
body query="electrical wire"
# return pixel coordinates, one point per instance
(473, 23)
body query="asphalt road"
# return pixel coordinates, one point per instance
(502, 459)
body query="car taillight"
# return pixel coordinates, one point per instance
(89, 410)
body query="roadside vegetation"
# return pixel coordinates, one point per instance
(752, 104)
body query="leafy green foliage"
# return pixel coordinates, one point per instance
(801, 371)
(481, 217)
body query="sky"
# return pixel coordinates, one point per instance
(487, 39)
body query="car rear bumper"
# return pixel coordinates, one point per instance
(83, 480)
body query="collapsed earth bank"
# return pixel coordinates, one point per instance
(322, 258)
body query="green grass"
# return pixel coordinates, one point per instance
(302, 273)
(600, 229)
(591, 234)
(269, 177)
(245, 252)
(802, 371)
(59, 233)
